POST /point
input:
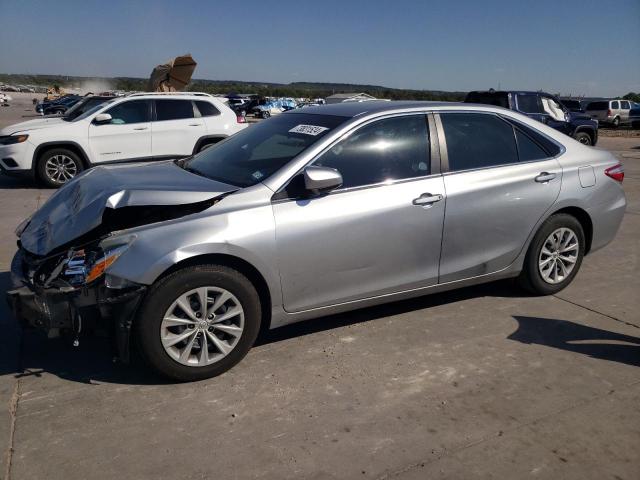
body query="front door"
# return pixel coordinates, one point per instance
(379, 233)
(126, 137)
(501, 181)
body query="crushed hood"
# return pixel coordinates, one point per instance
(36, 124)
(78, 207)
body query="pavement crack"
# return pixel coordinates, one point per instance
(624, 322)
(13, 410)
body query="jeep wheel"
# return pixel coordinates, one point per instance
(198, 322)
(616, 122)
(584, 138)
(57, 166)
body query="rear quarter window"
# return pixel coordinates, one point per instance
(207, 109)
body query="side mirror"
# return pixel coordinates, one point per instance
(321, 179)
(102, 118)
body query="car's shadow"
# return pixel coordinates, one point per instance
(29, 354)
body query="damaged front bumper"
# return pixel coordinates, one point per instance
(65, 308)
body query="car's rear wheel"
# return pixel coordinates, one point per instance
(266, 114)
(554, 256)
(198, 322)
(57, 166)
(584, 138)
(616, 122)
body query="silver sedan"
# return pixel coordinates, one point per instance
(320, 210)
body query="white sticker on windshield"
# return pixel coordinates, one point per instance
(308, 129)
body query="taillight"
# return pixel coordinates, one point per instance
(616, 172)
(609, 113)
(241, 119)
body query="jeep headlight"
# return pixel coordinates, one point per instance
(12, 139)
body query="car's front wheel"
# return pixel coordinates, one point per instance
(198, 322)
(57, 166)
(266, 114)
(554, 256)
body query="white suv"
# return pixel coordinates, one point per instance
(141, 126)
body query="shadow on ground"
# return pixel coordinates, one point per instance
(28, 353)
(573, 337)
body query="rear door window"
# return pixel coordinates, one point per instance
(625, 105)
(173, 109)
(477, 140)
(529, 103)
(528, 150)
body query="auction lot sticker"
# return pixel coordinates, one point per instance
(308, 129)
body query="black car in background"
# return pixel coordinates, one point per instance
(57, 106)
(543, 107)
(84, 105)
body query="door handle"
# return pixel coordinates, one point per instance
(141, 128)
(195, 124)
(545, 177)
(426, 200)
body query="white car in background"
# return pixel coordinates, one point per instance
(138, 127)
(4, 98)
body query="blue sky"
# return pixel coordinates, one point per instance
(562, 46)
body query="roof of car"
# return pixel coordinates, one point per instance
(353, 109)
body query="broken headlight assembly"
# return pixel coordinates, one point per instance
(84, 266)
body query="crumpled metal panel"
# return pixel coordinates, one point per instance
(77, 207)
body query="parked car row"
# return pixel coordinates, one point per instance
(316, 211)
(144, 126)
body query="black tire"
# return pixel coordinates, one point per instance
(162, 294)
(616, 122)
(530, 278)
(266, 114)
(584, 138)
(206, 145)
(50, 180)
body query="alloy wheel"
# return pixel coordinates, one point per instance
(202, 326)
(558, 255)
(60, 168)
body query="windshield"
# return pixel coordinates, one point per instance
(255, 153)
(91, 111)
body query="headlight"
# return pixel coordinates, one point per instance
(105, 261)
(12, 139)
(84, 267)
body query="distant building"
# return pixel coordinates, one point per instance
(349, 97)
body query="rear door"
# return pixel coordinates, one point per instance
(126, 137)
(500, 181)
(177, 126)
